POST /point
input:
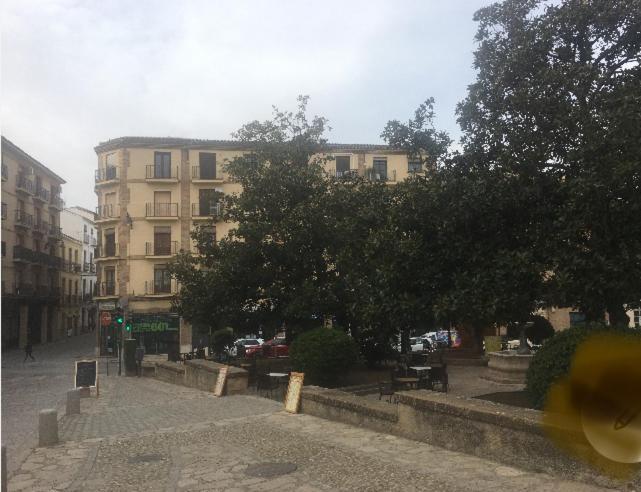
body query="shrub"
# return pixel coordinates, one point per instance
(376, 351)
(221, 339)
(554, 358)
(324, 355)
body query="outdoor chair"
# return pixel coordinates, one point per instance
(438, 377)
(387, 390)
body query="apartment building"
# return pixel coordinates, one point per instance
(80, 224)
(151, 194)
(71, 298)
(31, 238)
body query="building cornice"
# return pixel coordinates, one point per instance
(8, 145)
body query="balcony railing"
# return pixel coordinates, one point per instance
(24, 219)
(159, 172)
(155, 288)
(22, 254)
(108, 250)
(161, 210)
(5, 172)
(109, 173)
(93, 241)
(107, 289)
(85, 238)
(88, 267)
(378, 175)
(42, 227)
(207, 210)
(106, 212)
(205, 174)
(169, 248)
(42, 194)
(57, 202)
(55, 231)
(349, 173)
(23, 289)
(24, 184)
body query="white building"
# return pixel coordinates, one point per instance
(80, 224)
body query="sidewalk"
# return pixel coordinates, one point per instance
(143, 434)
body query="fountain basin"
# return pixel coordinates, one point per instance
(507, 367)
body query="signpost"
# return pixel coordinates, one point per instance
(86, 374)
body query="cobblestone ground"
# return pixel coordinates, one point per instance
(28, 387)
(147, 435)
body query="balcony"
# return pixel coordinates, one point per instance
(161, 249)
(381, 175)
(205, 175)
(23, 255)
(161, 174)
(108, 175)
(166, 288)
(107, 251)
(106, 289)
(162, 211)
(23, 289)
(4, 211)
(88, 268)
(55, 231)
(107, 213)
(42, 194)
(93, 241)
(5, 172)
(346, 174)
(23, 219)
(24, 184)
(85, 238)
(57, 202)
(202, 211)
(42, 227)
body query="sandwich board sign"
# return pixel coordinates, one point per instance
(220, 382)
(292, 399)
(86, 374)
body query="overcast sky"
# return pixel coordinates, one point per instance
(75, 73)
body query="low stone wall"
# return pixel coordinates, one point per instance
(350, 409)
(510, 435)
(202, 374)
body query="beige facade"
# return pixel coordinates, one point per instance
(31, 237)
(151, 194)
(563, 318)
(71, 290)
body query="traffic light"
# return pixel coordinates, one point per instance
(128, 326)
(119, 317)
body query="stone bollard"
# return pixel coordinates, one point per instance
(4, 469)
(73, 401)
(48, 427)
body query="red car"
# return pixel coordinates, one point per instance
(276, 347)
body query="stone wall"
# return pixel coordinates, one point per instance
(202, 375)
(509, 435)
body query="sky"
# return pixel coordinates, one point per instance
(78, 72)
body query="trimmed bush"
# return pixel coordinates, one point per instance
(324, 355)
(553, 360)
(541, 330)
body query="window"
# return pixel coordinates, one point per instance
(64, 285)
(110, 166)
(110, 281)
(91, 287)
(84, 285)
(76, 288)
(4, 249)
(342, 165)
(84, 257)
(636, 317)
(75, 256)
(4, 210)
(207, 165)
(208, 202)
(162, 164)
(36, 245)
(69, 255)
(380, 169)
(110, 242)
(162, 280)
(211, 229)
(576, 318)
(162, 240)
(414, 166)
(162, 204)
(85, 228)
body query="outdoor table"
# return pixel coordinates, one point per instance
(277, 374)
(421, 368)
(411, 382)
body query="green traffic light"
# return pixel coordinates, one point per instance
(128, 327)
(119, 320)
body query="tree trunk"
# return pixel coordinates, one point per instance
(617, 316)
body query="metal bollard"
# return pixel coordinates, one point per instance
(47, 427)
(73, 401)
(4, 469)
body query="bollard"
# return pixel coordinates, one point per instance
(73, 401)
(4, 469)
(48, 427)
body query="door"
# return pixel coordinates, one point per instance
(342, 165)
(207, 202)
(162, 164)
(162, 204)
(207, 165)
(380, 169)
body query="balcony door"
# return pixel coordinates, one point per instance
(342, 165)
(162, 240)
(162, 204)
(207, 201)
(162, 280)
(162, 164)
(207, 161)
(380, 169)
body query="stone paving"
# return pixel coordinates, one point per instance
(147, 435)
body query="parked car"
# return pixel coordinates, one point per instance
(420, 344)
(247, 343)
(276, 347)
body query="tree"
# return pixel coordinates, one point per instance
(556, 106)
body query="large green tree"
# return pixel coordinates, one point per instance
(558, 98)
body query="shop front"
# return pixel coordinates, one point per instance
(159, 333)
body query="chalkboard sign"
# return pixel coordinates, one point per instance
(292, 398)
(86, 373)
(220, 382)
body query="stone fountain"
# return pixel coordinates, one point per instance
(510, 366)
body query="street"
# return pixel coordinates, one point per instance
(28, 387)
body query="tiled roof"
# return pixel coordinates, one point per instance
(8, 144)
(168, 142)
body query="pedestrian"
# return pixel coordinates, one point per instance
(28, 349)
(140, 355)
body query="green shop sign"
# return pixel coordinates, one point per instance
(153, 323)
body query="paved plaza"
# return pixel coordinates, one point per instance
(144, 434)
